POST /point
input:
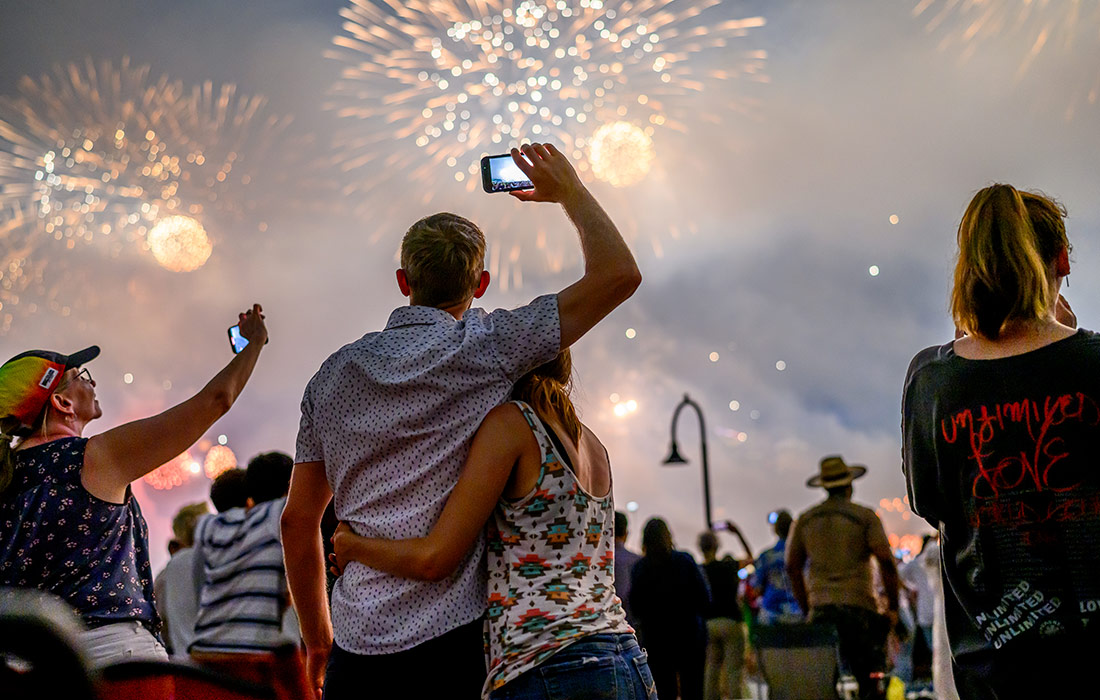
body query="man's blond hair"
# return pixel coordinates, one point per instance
(443, 256)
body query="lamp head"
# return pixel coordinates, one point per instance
(674, 456)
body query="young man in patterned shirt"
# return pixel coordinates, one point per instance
(386, 425)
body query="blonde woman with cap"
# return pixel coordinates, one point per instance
(1000, 434)
(69, 523)
(838, 539)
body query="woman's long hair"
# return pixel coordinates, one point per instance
(656, 538)
(1007, 243)
(547, 389)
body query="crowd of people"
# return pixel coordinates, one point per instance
(472, 540)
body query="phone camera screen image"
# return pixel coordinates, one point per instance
(237, 341)
(501, 174)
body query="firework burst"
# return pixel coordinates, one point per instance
(461, 78)
(95, 155)
(1036, 27)
(430, 86)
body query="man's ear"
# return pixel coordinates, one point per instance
(403, 283)
(1061, 263)
(482, 285)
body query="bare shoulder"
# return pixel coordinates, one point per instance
(505, 428)
(505, 417)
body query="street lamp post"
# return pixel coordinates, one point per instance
(675, 458)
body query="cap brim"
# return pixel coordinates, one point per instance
(82, 357)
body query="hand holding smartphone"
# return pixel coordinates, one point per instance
(254, 320)
(501, 174)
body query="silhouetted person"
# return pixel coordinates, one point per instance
(770, 580)
(624, 564)
(669, 597)
(838, 539)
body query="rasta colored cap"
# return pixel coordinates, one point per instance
(28, 379)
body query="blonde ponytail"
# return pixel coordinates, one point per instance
(1000, 273)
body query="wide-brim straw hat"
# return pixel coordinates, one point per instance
(836, 472)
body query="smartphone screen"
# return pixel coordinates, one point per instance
(501, 174)
(236, 340)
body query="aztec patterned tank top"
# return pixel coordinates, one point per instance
(551, 567)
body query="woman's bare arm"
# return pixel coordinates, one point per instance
(115, 458)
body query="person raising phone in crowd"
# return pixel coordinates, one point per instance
(543, 481)
(76, 529)
(1001, 428)
(386, 425)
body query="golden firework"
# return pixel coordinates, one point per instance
(93, 155)
(461, 78)
(620, 153)
(218, 460)
(1030, 28)
(179, 243)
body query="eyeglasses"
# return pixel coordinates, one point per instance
(83, 374)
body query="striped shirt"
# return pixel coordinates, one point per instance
(244, 592)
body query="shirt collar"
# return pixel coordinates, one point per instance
(418, 316)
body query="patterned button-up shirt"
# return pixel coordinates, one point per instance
(391, 416)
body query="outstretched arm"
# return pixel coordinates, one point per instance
(610, 273)
(115, 458)
(736, 531)
(496, 448)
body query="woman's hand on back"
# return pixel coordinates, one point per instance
(343, 542)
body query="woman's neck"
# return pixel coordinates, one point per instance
(1017, 337)
(56, 431)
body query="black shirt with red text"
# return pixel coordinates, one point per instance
(1001, 456)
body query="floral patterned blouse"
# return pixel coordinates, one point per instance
(57, 537)
(551, 568)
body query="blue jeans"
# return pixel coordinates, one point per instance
(597, 667)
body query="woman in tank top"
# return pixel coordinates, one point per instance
(542, 480)
(69, 523)
(1001, 430)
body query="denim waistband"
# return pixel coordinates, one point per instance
(602, 642)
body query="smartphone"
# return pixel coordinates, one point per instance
(501, 174)
(772, 517)
(237, 341)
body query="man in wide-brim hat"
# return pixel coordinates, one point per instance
(838, 538)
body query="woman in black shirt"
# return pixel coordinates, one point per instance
(1001, 430)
